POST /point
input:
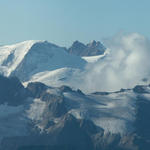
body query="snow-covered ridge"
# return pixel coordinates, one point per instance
(27, 58)
(12, 55)
(63, 76)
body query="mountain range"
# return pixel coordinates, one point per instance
(42, 117)
(41, 109)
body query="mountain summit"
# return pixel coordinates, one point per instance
(91, 49)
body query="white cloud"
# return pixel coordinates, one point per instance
(124, 67)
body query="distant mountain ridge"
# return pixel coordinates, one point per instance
(91, 49)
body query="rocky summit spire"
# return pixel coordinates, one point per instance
(91, 49)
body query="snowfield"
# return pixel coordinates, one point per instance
(114, 112)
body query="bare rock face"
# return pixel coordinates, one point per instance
(36, 89)
(91, 49)
(55, 105)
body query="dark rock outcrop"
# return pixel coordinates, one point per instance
(36, 89)
(55, 105)
(92, 49)
(140, 89)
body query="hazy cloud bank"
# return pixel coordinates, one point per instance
(126, 65)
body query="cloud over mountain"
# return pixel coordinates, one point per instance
(126, 65)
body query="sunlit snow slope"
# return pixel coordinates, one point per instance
(30, 57)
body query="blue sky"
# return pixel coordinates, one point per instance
(63, 21)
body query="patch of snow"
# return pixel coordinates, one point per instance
(36, 110)
(93, 59)
(76, 113)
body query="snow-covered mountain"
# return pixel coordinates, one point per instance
(42, 61)
(73, 77)
(27, 58)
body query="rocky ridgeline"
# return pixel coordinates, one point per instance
(59, 130)
(91, 49)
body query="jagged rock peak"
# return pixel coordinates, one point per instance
(94, 43)
(91, 49)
